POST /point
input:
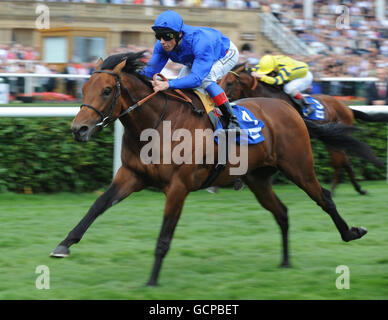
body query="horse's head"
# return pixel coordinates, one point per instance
(235, 82)
(101, 102)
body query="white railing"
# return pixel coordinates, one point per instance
(28, 85)
(281, 36)
(347, 79)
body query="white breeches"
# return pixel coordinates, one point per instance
(299, 85)
(220, 68)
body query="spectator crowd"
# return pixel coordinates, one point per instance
(345, 36)
(230, 4)
(346, 39)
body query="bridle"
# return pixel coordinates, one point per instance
(238, 80)
(105, 120)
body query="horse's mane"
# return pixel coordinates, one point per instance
(237, 66)
(133, 65)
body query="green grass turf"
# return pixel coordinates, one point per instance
(226, 246)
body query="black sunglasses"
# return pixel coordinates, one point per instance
(165, 36)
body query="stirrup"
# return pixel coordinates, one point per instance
(233, 125)
(233, 129)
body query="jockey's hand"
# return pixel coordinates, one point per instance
(160, 85)
(256, 75)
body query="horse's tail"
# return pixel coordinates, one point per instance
(375, 117)
(337, 137)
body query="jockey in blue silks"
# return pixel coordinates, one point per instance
(207, 55)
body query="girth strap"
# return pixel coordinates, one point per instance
(216, 169)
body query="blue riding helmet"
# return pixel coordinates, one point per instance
(168, 20)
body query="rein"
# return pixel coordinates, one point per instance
(255, 82)
(107, 119)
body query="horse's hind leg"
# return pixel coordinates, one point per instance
(260, 184)
(340, 161)
(338, 170)
(301, 172)
(123, 184)
(350, 172)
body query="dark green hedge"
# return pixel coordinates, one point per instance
(40, 155)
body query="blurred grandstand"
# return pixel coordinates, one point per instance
(358, 48)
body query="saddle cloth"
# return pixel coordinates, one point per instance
(319, 113)
(250, 126)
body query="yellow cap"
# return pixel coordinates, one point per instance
(266, 65)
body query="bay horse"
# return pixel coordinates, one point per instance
(238, 84)
(117, 83)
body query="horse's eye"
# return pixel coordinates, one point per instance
(107, 91)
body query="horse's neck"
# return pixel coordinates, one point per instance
(154, 111)
(147, 114)
(268, 91)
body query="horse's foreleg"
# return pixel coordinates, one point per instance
(175, 197)
(124, 183)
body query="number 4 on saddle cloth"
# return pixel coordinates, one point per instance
(319, 113)
(249, 125)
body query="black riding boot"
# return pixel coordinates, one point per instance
(301, 103)
(227, 112)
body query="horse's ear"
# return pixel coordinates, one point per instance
(99, 63)
(120, 66)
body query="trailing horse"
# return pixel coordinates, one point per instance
(238, 83)
(116, 84)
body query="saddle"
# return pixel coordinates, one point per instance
(211, 110)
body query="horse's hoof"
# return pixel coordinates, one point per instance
(60, 252)
(151, 284)
(285, 265)
(362, 192)
(212, 189)
(358, 232)
(238, 184)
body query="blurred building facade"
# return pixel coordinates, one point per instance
(78, 31)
